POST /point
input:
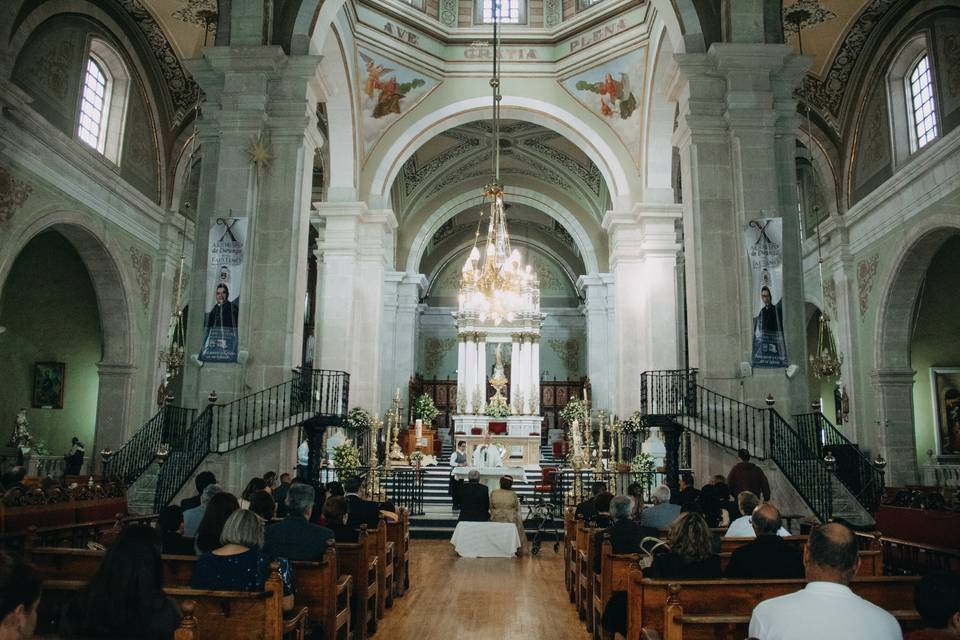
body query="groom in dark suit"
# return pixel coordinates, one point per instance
(474, 499)
(768, 556)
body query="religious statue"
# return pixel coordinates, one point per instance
(21, 437)
(576, 445)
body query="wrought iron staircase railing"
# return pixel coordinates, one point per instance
(731, 423)
(854, 469)
(133, 458)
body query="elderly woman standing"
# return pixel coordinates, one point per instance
(505, 507)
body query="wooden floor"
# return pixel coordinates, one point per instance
(482, 599)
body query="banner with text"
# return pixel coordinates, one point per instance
(764, 241)
(228, 236)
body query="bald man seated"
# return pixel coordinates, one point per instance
(768, 556)
(826, 609)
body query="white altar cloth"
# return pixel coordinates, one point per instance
(490, 476)
(486, 539)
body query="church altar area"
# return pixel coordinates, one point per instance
(490, 476)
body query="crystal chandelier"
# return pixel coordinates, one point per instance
(495, 285)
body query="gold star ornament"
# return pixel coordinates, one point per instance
(259, 153)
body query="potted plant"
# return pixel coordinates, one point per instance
(424, 409)
(359, 419)
(346, 460)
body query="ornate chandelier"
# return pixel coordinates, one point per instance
(494, 283)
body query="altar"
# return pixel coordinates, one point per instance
(490, 476)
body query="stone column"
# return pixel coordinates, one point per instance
(514, 368)
(408, 307)
(482, 371)
(601, 342)
(461, 369)
(114, 425)
(535, 375)
(839, 270)
(895, 435)
(523, 387)
(631, 309)
(736, 123)
(470, 372)
(255, 93)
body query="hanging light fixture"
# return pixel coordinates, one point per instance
(494, 283)
(826, 362)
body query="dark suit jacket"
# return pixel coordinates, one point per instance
(296, 539)
(343, 533)
(190, 503)
(669, 566)
(175, 544)
(363, 512)
(688, 499)
(625, 537)
(766, 557)
(591, 508)
(474, 502)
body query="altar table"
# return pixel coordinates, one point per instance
(486, 539)
(490, 476)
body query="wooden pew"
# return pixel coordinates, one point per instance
(586, 548)
(217, 615)
(384, 552)
(647, 598)
(399, 534)
(871, 563)
(727, 627)
(614, 572)
(732, 544)
(316, 583)
(569, 555)
(354, 559)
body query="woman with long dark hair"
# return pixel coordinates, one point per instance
(255, 484)
(125, 597)
(218, 510)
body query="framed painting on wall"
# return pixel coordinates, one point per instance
(48, 385)
(945, 384)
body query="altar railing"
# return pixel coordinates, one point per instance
(575, 485)
(403, 486)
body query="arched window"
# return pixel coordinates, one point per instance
(511, 11)
(103, 100)
(922, 108)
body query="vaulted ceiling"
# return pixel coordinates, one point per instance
(460, 159)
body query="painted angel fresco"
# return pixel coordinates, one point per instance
(391, 91)
(615, 95)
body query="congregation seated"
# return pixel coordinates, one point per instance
(937, 599)
(742, 527)
(19, 598)
(203, 480)
(193, 516)
(688, 497)
(826, 608)
(262, 504)
(663, 512)
(768, 556)
(255, 484)
(505, 507)
(691, 554)
(173, 541)
(218, 510)
(124, 598)
(635, 491)
(361, 510)
(239, 562)
(295, 538)
(270, 479)
(715, 503)
(335, 512)
(280, 494)
(624, 533)
(474, 499)
(598, 503)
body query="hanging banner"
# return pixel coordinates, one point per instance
(764, 241)
(228, 236)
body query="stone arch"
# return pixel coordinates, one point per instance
(512, 108)
(342, 126)
(893, 374)
(658, 119)
(529, 197)
(100, 255)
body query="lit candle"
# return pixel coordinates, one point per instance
(398, 394)
(584, 394)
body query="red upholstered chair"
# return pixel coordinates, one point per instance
(476, 431)
(559, 449)
(498, 428)
(548, 484)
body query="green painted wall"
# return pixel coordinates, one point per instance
(936, 338)
(49, 309)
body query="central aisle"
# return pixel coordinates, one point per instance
(482, 599)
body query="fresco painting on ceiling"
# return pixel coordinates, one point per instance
(387, 91)
(614, 91)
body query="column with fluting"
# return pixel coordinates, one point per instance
(470, 372)
(514, 370)
(482, 371)
(461, 372)
(535, 375)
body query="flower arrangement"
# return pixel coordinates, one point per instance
(424, 409)
(636, 424)
(642, 463)
(574, 410)
(416, 458)
(359, 419)
(346, 459)
(497, 408)
(40, 448)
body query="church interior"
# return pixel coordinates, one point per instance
(465, 287)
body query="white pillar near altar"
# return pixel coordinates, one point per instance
(535, 375)
(520, 402)
(470, 372)
(461, 365)
(482, 372)
(514, 363)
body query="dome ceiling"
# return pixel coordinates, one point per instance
(460, 159)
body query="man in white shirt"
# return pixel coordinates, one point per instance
(457, 459)
(303, 459)
(826, 608)
(192, 517)
(742, 527)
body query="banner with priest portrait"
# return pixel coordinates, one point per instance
(225, 253)
(763, 239)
